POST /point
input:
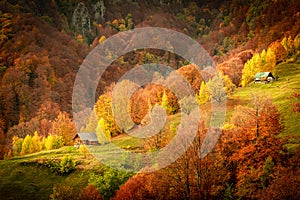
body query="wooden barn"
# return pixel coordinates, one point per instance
(263, 77)
(85, 138)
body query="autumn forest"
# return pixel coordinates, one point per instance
(243, 144)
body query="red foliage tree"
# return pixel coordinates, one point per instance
(253, 146)
(90, 192)
(137, 187)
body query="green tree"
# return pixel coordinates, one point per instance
(17, 145)
(122, 24)
(265, 178)
(91, 124)
(58, 142)
(109, 182)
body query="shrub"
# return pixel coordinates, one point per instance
(64, 193)
(67, 165)
(109, 182)
(52, 165)
(90, 192)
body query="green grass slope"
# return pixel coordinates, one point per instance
(281, 92)
(25, 177)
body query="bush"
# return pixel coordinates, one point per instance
(109, 182)
(63, 167)
(67, 165)
(90, 192)
(53, 165)
(64, 193)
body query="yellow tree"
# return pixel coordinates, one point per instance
(297, 42)
(203, 95)
(265, 61)
(49, 142)
(36, 142)
(269, 61)
(165, 103)
(250, 69)
(103, 109)
(229, 87)
(27, 146)
(103, 132)
(288, 44)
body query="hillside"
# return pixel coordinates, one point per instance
(35, 176)
(28, 176)
(253, 155)
(281, 91)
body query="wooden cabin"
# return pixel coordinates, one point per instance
(264, 77)
(86, 139)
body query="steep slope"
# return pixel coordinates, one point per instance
(38, 65)
(282, 92)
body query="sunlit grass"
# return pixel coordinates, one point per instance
(22, 177)
(128, 142)
(281, 92)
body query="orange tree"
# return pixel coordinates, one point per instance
(252, 146)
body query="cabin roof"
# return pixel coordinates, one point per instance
(88, 136)
(263, 74)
